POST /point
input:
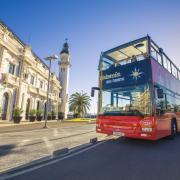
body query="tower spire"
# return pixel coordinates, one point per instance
(65, 48)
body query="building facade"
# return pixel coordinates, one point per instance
(24, 78)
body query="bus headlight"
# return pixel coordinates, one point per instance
(146, 129)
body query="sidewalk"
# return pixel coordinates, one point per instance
(10, 126)
(6, 127)
(5, 123)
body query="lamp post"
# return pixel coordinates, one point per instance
(48, 58)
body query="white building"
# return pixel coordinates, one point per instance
(24, 78)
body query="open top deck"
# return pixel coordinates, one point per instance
(137, 50)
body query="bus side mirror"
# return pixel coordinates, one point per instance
(160, 93)
(93, 89)
(92, 92)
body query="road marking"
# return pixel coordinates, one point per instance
(49, 145)
(51, 162)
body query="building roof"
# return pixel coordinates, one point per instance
(22, 43)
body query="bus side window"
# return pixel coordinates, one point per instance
(160, 104)
(171, 103)
(178, 104)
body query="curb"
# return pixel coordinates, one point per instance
(60, 152)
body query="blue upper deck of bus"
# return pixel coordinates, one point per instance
(137, 50)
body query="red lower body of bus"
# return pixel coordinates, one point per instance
(133, 127)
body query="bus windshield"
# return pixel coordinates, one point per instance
(127, 101)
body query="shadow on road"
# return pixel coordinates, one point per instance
(165, 144)
(6, 149)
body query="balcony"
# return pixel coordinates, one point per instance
(42, 92)
(52, 97)
(33, 89)
(10, 79)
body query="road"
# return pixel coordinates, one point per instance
(122, 159)
(22, 147)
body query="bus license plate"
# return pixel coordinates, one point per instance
(115, 133)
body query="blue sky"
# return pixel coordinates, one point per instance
(92, 26)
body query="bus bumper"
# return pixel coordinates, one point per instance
(137, 134)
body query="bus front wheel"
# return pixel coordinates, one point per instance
(173, 129)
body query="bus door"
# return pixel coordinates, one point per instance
(161, 115)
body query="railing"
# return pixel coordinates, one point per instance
(158, 55)
(10, 79)
(32, 89)
(42, 92)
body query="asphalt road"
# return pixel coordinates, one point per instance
(122, 159)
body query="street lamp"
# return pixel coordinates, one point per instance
(48, 58)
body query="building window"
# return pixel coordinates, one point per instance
(18, 69)
(38, 105)
(32, 80)
(11, 68)
(45, 87)
(41, 84)
(25, 75)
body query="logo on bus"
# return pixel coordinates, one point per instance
(136, 73)
(111, 76)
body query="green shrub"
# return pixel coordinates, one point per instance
(60, 115)
(49, 113)
(17, 112)
(39, 113)
(53, 113)
(32, 112)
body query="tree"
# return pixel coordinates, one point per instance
(79, 103)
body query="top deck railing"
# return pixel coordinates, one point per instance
(157, 54)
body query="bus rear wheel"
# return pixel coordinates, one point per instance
(173, 129)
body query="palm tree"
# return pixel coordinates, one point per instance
(79, 103)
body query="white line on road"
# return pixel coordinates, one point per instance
(51, 162)
(49, 145)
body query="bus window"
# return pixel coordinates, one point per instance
(178, 74)
(171, 103)
(160, 104)
(178, 104)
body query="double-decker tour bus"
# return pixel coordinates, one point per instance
(139, 92)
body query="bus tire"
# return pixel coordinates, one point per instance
(173, 129)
